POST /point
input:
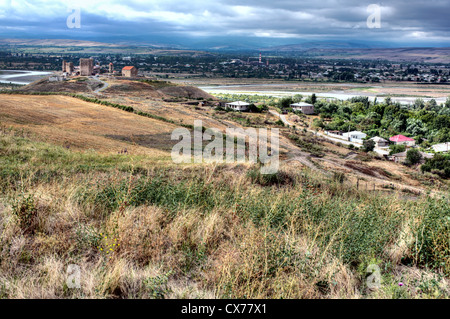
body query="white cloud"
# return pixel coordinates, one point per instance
(261, 18)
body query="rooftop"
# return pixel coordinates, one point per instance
(239, 103)
(443, 147)
(400, 138)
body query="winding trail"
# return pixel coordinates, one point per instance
(104, 87)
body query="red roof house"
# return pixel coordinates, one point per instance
(401, 139)
(129, 71)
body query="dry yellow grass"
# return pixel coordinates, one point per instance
(81, 125)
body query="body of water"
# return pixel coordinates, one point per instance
(21, 77)
(332, 94)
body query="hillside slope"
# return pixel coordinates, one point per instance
(81, 125)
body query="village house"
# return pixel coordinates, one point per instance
(441, 148)
(355, 136)
(402, 140)
(380, 142)
(238, 106)
(401, 157)
(305, 108)
(129, 71)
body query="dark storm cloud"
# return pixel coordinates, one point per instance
(405, 22)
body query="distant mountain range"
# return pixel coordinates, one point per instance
(323, 49)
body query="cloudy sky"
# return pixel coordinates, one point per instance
(216, 22)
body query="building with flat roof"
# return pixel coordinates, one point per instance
(238, 106)
(303, 107)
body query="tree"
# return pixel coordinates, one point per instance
(413, 156)
(397, 148)
(297, 98)
(313, 99)
(285, 102)
(368, 145)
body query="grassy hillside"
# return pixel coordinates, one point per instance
(149, 231)
(140, 226)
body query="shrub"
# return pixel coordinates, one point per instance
(279, 122)
(413, 157)
(439, 164)
(25, 210)
(368, 146)
(397, 148)
(279, 178)
(339, 177)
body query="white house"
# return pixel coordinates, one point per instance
(305, 108)
(238, 106)
(355, 136)
(380, 142)
(443, 147)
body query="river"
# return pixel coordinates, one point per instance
(263, 89)
(21, 77)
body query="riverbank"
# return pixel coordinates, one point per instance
(403, 92)
(21, 77)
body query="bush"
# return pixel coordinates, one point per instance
(25, 210)
(368, 146)
(339, 177)
(439, 164)
(413, 157)
(396, 148)
(279, 122)
(279, 178)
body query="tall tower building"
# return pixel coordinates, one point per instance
(86, 67)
